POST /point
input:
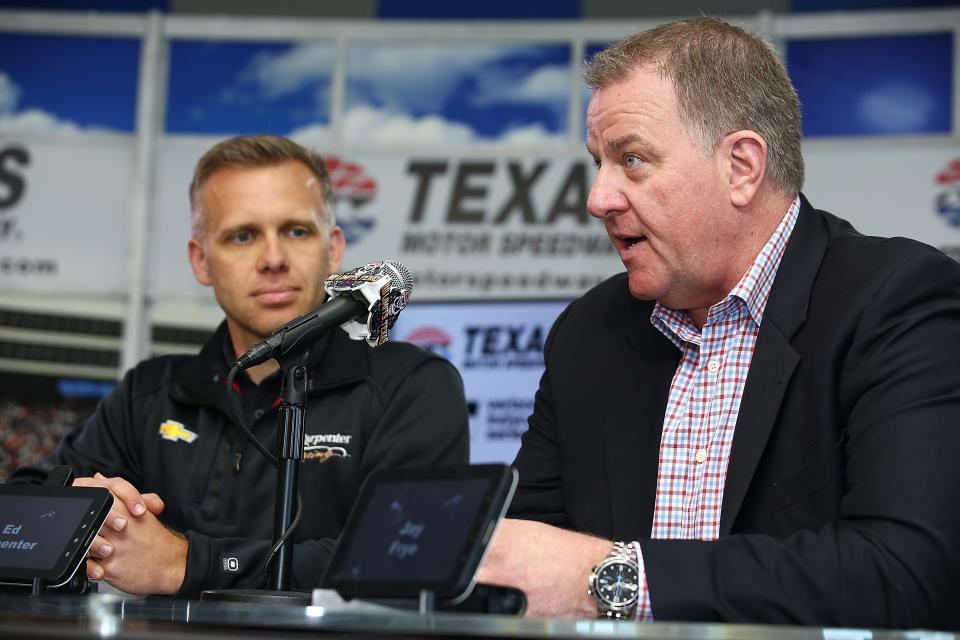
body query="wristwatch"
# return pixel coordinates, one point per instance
(615, 582)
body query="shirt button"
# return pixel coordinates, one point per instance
(258, 413)
(713, 366)
(701, 456)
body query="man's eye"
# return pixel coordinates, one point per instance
(631, 161)
(241, 237)
(299, 232)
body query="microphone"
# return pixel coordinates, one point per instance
(376, 292)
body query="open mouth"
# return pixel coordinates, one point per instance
(629, 243)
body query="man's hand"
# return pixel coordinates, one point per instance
(135, 552)
(550, 565)
(136, 503)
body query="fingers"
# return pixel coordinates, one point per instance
(145, 558)
(94, 570)
(125, 493)
(153, 503)
(101, 548)
(122, 490)
(117, 518)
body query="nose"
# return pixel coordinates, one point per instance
(606, 196)
(273, 256)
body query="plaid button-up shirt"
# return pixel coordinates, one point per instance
(704, 401)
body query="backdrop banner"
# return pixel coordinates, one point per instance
(470, 226)
(508, 235)
(498, 348)
(63, 214)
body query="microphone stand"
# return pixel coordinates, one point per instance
(290, 436)
(290, 443)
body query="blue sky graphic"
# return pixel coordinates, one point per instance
(423, 92)
(395, 92)
(236, 88)
(68, 83)
(436, 93)
(471, 92)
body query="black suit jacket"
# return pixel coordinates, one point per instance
(842, 499)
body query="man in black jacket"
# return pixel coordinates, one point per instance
(195, 501)
(762, 411)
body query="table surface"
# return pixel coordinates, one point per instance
(113, 616)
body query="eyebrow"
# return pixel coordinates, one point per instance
(618, 143)
(253, 224)
(624, 141)
(229, 231)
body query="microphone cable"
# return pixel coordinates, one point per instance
(283, 538)
(236, 409)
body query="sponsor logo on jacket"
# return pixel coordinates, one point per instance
(174, 431)
(320, 447)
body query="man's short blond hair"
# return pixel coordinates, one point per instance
(257, 151)
(725, 79)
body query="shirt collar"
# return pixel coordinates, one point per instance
(753, 289)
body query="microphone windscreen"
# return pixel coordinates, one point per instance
(400, 276)
(385, 286)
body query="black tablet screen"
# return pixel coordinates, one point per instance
(414, 531)
(35, 530)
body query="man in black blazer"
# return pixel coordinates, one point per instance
(797, 469)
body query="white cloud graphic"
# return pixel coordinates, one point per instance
(397, 92)
(548, 84)
(314, 135)
(897, 107)
(421, 77)
(278, 74)
(368, 124)
(36, 121)
(371, 125)
(32, 120)
(534, 134)
(418, 77)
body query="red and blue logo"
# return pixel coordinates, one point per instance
(353, 189)
(432, 339)
(948, 200)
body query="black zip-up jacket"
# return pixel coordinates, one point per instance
(166, 428)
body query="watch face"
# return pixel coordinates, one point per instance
(617, 583)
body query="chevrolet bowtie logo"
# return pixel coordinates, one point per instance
(173, 431)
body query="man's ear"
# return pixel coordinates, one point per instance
(745, 155)
(198, 262)
(337, 243)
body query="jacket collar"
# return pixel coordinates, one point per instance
(635, 419)
(334, 360)
(774, 358)
(790, 295)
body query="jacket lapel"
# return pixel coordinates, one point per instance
(637, 383)
(774, 359)
(201, 380)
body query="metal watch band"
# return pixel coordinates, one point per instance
(625, 555)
